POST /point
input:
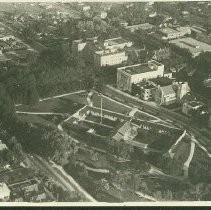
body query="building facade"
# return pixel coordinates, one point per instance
(109, 57)
(117, 43)
(128, 75)
(78, 46)
(170, 33)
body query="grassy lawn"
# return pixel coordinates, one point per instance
(59, 105)
(37, 120)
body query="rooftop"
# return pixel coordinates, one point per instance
(162, 81)
(141, 26)
(168, 30)
(195, 103)
(136, 69)
(109, 52)
(167, 90)
(193, 45)
(140, 68)
(116, 41)
(145, 85)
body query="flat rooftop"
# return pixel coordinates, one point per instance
(139, 68)
(168, 30)
(136, 69)
(195, 103)
(116, 41)
(193, 45)
(141, 26)
(109, 52)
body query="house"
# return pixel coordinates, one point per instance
(189, 107)
(165, 95)
(2, 146)
(128, 75)
(123, 23)
(161, 54)
(182, 88)
(109, 57)
(168, 73)
(103, 14)
(145, 90)
(4, 192)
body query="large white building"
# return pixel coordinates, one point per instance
(110, 57)
(194, 46)
(144, 26)
(128, 75)
(170, 33)
(117, 43)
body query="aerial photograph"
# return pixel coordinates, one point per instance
(105, 102)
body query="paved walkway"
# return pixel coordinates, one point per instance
(41, 113)
(58, 96)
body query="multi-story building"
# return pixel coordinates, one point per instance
(144, 26)
(194, 46)
(109, 57)
(128, 75)
(170, 33)
(117, 43)
(165, 95)
(189, 107)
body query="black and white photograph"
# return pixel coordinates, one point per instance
(105, 102)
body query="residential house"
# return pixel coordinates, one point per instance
(4, 192)
(181, 88)
(2, 146)
(189, 107)
(165, 95)
(103, 14)
(161, 54)
(145, 90)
